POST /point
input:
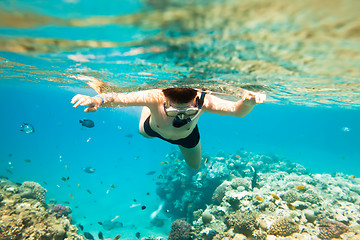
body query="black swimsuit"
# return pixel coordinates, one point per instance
(188, 142)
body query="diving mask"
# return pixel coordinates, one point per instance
(173, 112)
(184, 116)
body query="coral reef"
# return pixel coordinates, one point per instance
(180, 230)
(23, 215)
(223, 206)
(32, 190)
(184, 190)
(243, 222)
(331, 229)
(289, 196)
(219, 193)
(283, 227)
(61, 210)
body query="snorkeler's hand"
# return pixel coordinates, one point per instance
(92, 103)
(253, 98)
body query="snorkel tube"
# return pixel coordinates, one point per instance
(178, 122)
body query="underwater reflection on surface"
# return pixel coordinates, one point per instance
(302, 52)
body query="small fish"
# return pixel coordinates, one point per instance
(66, 202)
(137, 157)
(254, 179)
(276, 197)
(116, 217)
(81, 227)
(183, 186)
(88, 236)
(151, 173)
(117, 237)
(148, 193)
(89, 170)
(78, 185)
(87, 123)
(71, 196)
(260, 199)
(66, 167)
(290, 206)
(27, 128)
(100, 223)
(27, 160)
(65, 179)
(137, 235)
(100, 235)
(160, 177)
(88, 190)
(9, 171)
(162, 163)
(143, 207)
(156, 212)
(238, 156)
(300, 187)
(129, 135)
(112, 185)
(135, 205)
(205, 162)
(353, 176)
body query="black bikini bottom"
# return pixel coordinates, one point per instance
(188, 142)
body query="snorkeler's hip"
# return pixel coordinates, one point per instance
(190, 140)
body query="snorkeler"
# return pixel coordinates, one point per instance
(172, 114)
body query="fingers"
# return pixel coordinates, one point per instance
(257, 98)
(76, 98)
(80, 102)
(83, 100)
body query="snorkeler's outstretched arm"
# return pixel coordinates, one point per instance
(149, 98)
(240, 108)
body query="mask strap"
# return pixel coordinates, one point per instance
(200, 101)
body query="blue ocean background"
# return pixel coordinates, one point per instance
(313, 137)
(324, 139)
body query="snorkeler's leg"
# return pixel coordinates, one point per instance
(192, 156)
(144, 115)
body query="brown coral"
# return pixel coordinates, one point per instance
(243, 222)
(219, 193)
(33, 190)
(283, 227)
(331, 229)
(180, 230)
(290, 196)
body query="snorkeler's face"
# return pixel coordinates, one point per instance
(186, 109)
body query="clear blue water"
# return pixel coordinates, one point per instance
(40, 89)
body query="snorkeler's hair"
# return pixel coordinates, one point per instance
(180, 95)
